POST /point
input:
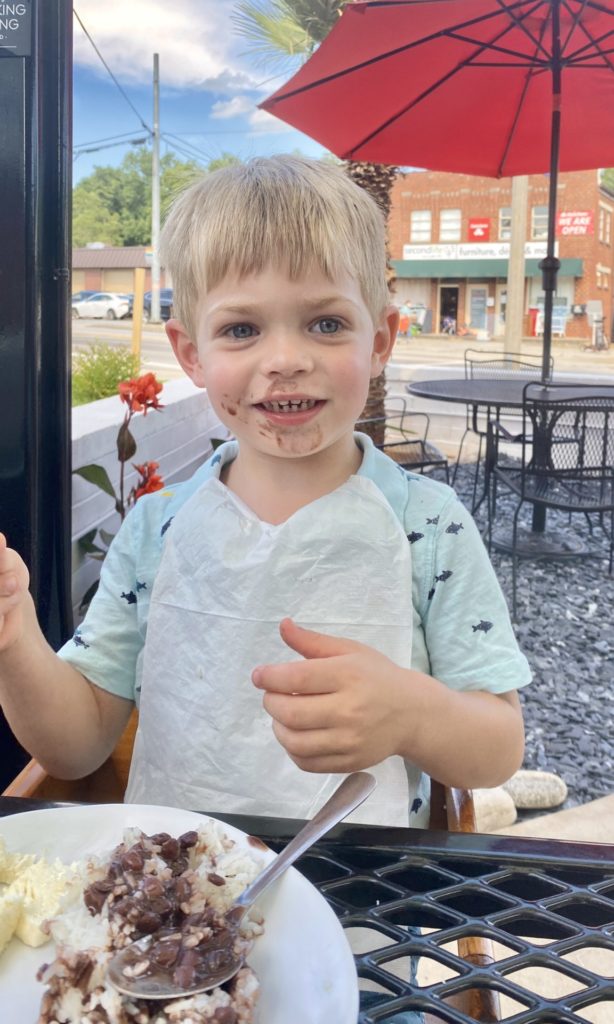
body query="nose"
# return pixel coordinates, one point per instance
(286, 353)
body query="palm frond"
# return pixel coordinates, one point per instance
(316, 17)
(271, 31)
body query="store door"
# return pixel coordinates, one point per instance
(478, 298)
(448, 308)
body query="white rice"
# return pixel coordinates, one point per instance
(78, 933)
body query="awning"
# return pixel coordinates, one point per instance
(477, 268)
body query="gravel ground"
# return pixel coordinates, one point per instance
(565, 626)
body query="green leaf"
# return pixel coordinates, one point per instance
(106, 537)
(87, 545)
(98, 476)
(126, 445)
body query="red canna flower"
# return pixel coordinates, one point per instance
(142, 393)
(149, 481)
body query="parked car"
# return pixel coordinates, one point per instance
(79, 296)
(166, 304)
(111, 305)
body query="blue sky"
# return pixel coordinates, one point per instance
(210, 85)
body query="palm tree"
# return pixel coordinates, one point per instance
(280, 31)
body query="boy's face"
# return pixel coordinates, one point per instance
(286, 363)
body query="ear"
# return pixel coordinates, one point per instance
(384, 339)
(186, 351)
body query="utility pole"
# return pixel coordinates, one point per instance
(514, 309)
(155, 196)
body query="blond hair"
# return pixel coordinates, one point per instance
(284, 211)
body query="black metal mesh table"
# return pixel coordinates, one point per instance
(545, 904)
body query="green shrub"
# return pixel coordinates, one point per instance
(97, 370)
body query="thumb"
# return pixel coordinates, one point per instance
(314, 645)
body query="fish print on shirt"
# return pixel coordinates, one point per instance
(432, 522)
(413, 537)
(443, 576)
(216, 459)
(454, 528)
(415, 807)
(140, 586)
(78, 639)
(482, 627)
(130, 597)
(166, 525)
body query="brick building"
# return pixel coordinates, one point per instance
(104, 268)
(449, 237)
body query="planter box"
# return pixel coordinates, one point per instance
(178, 437)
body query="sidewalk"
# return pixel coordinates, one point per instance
(569, 354)
(589, 823)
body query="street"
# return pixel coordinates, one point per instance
(156, 354)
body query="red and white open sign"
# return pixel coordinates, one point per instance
(479, 229)
(575, 222)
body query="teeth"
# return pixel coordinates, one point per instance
(290, 405)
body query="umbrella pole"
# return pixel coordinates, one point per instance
(550, 265)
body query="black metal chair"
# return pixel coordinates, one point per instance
(501, 365)
(405, 437)
(567, 458)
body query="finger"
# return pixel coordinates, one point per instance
(8, 584)
(317, 751)
(298, 712)
(314, 645)
(301, 677)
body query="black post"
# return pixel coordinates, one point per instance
(35, 240)
(550, 265)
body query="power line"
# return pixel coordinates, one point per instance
(106, 138)
(109, 145)
(187, 145)
(124, 94)
(183, 152)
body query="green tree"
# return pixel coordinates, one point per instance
(113, 204)
(607, 179)
(283, 30)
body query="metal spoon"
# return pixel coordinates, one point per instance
(225, 963)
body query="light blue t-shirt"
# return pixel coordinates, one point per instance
(462, 634)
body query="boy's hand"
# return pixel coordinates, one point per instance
(14, 581)
(340, 710)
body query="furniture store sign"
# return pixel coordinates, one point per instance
(471, 251)
(15, 37)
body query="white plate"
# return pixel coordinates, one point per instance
(303, 960)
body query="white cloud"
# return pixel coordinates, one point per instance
(235, 107)
(195, 39)
(265, 122)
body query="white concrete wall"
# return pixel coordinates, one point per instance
(178, 437)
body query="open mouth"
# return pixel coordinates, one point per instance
(290, 405)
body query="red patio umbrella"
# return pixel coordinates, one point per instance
(493, 87)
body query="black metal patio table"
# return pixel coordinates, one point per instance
(494, 394)
(544, 903)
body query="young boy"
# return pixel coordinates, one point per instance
(301, 607)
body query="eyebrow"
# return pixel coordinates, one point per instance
(238, 309)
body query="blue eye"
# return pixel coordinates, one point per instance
(328, 325)
(240, 332)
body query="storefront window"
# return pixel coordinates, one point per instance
(420, 226)
(539, 222)
(450, 226)
(505, 223)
